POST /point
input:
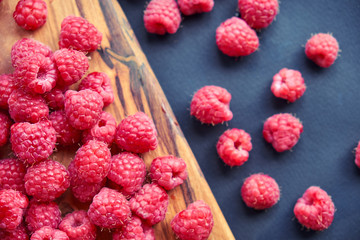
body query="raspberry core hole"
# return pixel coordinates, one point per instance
(77, 223)
(102, 123)
(237, 145)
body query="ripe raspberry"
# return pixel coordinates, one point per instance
(148, 232)
(196, 222)
(258, 13)
(27, 107)
(18, 233)
(162, 16)
(260, 191)
(78, 34)
(100, 83)
(5, 124)
(150, 203)
(41, 214)
(77, 226)
(46, 233)
(7, 86)
(322, 49)
(130, 231)
(109, 209)
(127, 170)
(234, 146)
(83, 109)
(33, 143)
(235, 38)
(104, 130)
(357, 155)
(288, 84)
(12, 207)
(188, 7)
(210, 105)
(315, 209)
(30, 14)
(65, 133)
(282, 131)
(168, 171)
(55, 98)
(136, 133)
(12, 172)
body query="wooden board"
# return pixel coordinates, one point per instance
(136, 89)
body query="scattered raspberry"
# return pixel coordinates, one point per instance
(18, 233)
(65, 133)
(12, 172)
(55, 98)
(109, 209)
(83, 109)
(77, 226)
(282, 131)
(235, 38)
(196, 222)
(150, 203)
(136, 133)
(357, 155)
(315, 209)
(5, 124)
(168, 171)
(322, 49)
(260, 191)
(162, 16)
(46, 233)
(104, 130)
(100, 83)
(12, 207)
(288, 84)
(30, 14)
(188, 7)
(258, 13)
(78, 34)
(131, 231)
(7, 86)
(41, 214)
(234, 146)
(210, 105)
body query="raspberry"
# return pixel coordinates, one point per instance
(127, 170)
(131, 231)
(55, 98)
(282, 131)
(12, 208)
(210, 105)
(322, 49)
(260, 191)
(78, 34)
(92, 161)
(71, 65)
(77, 226)
(136, 133)
(83, 109)
(162, 16)
(40, 215)
(168, 171)
(315, 209)
(100, 83)
(46, 233)
(12, 172)
(27, 107)
(30, 14)
(357, 155)
(234, 146)
(188, 7)
(258, 13)
(288, 84)
(18, 233)
(150, 203)
(65, 133)
(33, 143)
(235, 38)
(196, 222)
(7, 86)
(104, 130)
(5, 124)
(109, 209)
(148, 232)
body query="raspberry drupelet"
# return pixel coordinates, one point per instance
(322, 49)
(77, 226)
(30, 14)
(258, 13)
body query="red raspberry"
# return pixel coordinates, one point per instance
(100, 83)
(148, 232)
(136, 133)
(162, 16)
(12, 208)
(30, 14)
(150, 203)
(322, 49)
(282, 131)
(258, 13)
(104, 130)
(65, 133)
(210, 105)
(55, 98)
(77, 226)
(357, 155)
(5, 124)
(83, 109)
(234, 146)
(131, 231)
(12, 172)
(77, 33)
(92, 161)
(188, 7)
(18, 233)
(235, 38)
(109, 209)
(260, 191)
(196, 222)
(315, 209)
(7, 86)
(27, 107)
(46, 233)
(168, 171)
(127, 170)
(41, 214)
(71, 64)
(288, 84)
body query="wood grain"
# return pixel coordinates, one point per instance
(136, 89)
